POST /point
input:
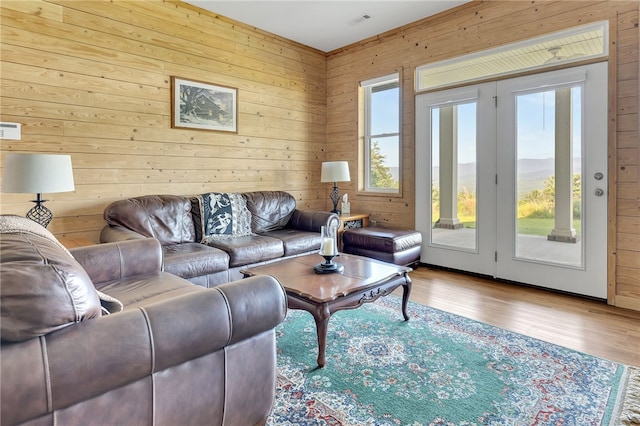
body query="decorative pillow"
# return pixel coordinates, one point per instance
(222, 215)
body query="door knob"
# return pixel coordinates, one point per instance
(599, 192)
(598, 176)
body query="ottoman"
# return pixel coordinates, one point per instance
(401, 247)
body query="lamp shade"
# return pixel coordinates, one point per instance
(37, 173)
(335, 171)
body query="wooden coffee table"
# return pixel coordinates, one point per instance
(363, 280)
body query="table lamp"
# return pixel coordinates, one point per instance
(38, 173)
(335, 171)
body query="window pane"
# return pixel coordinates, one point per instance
(385, 162)
(385, 111)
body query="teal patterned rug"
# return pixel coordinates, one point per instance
(436, 369)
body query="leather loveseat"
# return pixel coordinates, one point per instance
(274, 229)
(174, 354)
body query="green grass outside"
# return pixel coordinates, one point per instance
(528, 225)
(541, 226)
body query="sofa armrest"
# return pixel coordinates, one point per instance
(189, 326)
(311, 220)
(112, 261)
(114, 233)
(255, 305)
(94, 357)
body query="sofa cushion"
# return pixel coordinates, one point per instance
(220, 215)
(43, 287)
(270, 210)
(249, 249)
(166, 218)
(143, 290)
(194, 259)
(296, 242)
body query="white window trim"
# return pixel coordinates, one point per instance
(367, 85)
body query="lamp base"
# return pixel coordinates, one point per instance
(39, 213)
(335, 196)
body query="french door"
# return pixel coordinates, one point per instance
(511, 179)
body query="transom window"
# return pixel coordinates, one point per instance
(569, 46)
(380, 135)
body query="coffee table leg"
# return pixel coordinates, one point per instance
(405, 296)
(321, 315)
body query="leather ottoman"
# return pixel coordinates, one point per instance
(401, 247)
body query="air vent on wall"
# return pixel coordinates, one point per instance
(359, 19)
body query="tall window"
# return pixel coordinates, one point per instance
(381, 153)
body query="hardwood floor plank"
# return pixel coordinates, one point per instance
(585, 325)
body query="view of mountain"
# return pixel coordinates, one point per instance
(531, 173)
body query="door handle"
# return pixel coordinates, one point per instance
(599, 192)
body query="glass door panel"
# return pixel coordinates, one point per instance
(548, 176)
(453, 175)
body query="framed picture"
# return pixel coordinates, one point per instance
(198, 105)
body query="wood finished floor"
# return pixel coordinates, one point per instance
(584, 325)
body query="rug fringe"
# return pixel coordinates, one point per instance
(630, 405)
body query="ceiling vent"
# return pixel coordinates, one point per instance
(360, 19)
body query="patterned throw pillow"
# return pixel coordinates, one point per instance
(223, 215)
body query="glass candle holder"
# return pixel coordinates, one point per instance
(328, 250)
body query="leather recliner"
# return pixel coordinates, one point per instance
(177, 353)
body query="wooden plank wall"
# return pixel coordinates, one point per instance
(626, 286)
(92, 79)
(479, 26)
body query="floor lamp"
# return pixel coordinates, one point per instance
(38, 174)
(335, 171)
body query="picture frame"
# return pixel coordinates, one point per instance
(203, 106)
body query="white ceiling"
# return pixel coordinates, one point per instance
(326, 24)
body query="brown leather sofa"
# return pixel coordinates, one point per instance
(177, 354)
(278, 230)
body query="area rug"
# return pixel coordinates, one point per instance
(440, 369)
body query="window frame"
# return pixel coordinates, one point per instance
(366, 88)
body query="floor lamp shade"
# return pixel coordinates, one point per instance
(38, 174)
